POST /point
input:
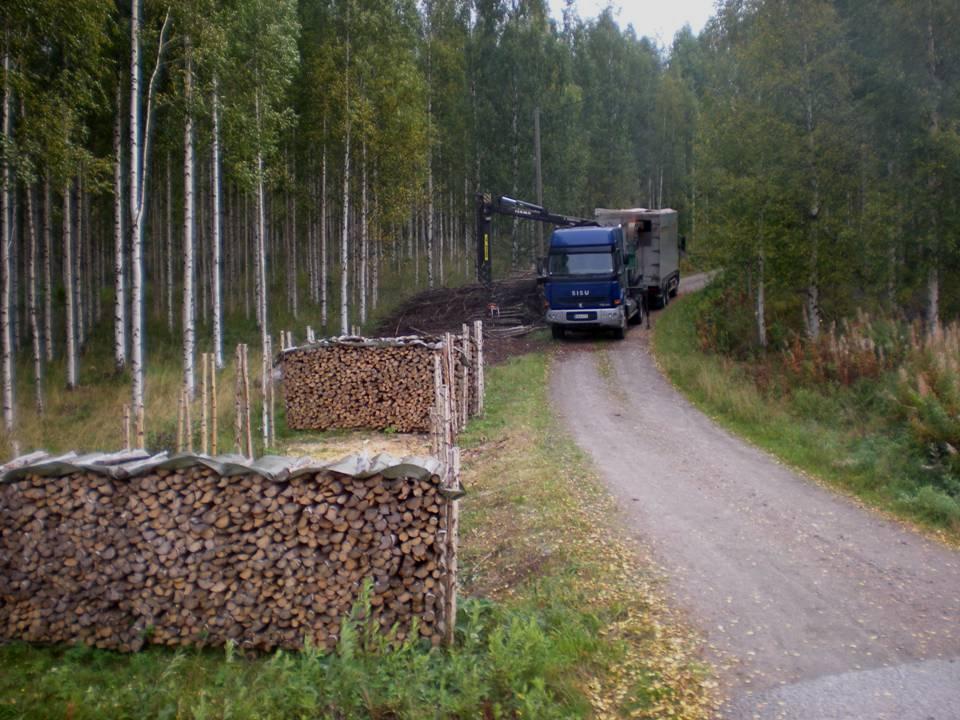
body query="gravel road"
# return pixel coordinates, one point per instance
(811, 607)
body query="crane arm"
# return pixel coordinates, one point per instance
(503, 205)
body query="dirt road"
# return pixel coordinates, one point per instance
(812, 607)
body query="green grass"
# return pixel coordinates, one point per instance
(847, 436)
(558, 618)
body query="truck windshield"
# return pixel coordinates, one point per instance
(589, 263)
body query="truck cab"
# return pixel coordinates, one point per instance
(586, 281)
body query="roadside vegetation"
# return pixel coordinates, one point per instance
(558, 618)
(872, 406)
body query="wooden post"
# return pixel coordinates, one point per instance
(246, 399)
(465, 362)
(453, 531)
(270, 384)
(437, 412)
(215, 425)
(188, 419)
(180, 414)
(311, 338)
(238, 400)
(204, 403)
(127, 437)
(141, 431)
(478, 364)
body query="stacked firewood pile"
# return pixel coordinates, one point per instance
(190, 555)
(380, 383)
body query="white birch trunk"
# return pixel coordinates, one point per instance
(344, 246)
(139, 158)
(189, 311)
(168, 236)
(78, 277)
(119, 286)
(324, 269)
(6, 269)
(364, 228)
(515, 133)
(215, 230)
(68, 283)
(761, 311)
(32, 302)
(47, 270)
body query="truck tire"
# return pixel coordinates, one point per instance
(676, 288)
(557, 332)
(621, 332)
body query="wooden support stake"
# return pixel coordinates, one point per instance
(127, 429)
(215, 425)
(141, 430)
(453, 531)
(238, 400)
(465, 377)
(478, 364)
(437, 412)
(246, 399)
(273, 392)
(180, 415)
(188, 418)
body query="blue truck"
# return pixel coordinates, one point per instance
(608, 275)
(599, 273)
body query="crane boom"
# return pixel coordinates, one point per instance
(487, 205)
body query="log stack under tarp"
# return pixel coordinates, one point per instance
(355, 383)
(118, 551)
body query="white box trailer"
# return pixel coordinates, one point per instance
(652, 250)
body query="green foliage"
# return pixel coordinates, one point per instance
(928, 393)
(873, 411)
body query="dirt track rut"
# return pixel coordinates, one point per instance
(810, 606)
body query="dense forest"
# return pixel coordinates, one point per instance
(188, 173)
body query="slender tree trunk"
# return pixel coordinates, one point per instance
(6, 243)
(344, 240)
(119, 287)
(171, 323)
(47, 269)
(32, 301)
(215, 228)
(293, 244)
(761, 310)
(812, 306)
(324, 307)
(139, 161)
(189, 330)
(934, 184)
(364, 228)
(515, 134)
(78, 274)
(68, 286)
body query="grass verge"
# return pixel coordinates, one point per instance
(558, 618)
(842, 435)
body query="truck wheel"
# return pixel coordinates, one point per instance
(621, 332)
(557, 332)
(676, 288)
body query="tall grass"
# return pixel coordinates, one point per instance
(872, 406)
(556, 619)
